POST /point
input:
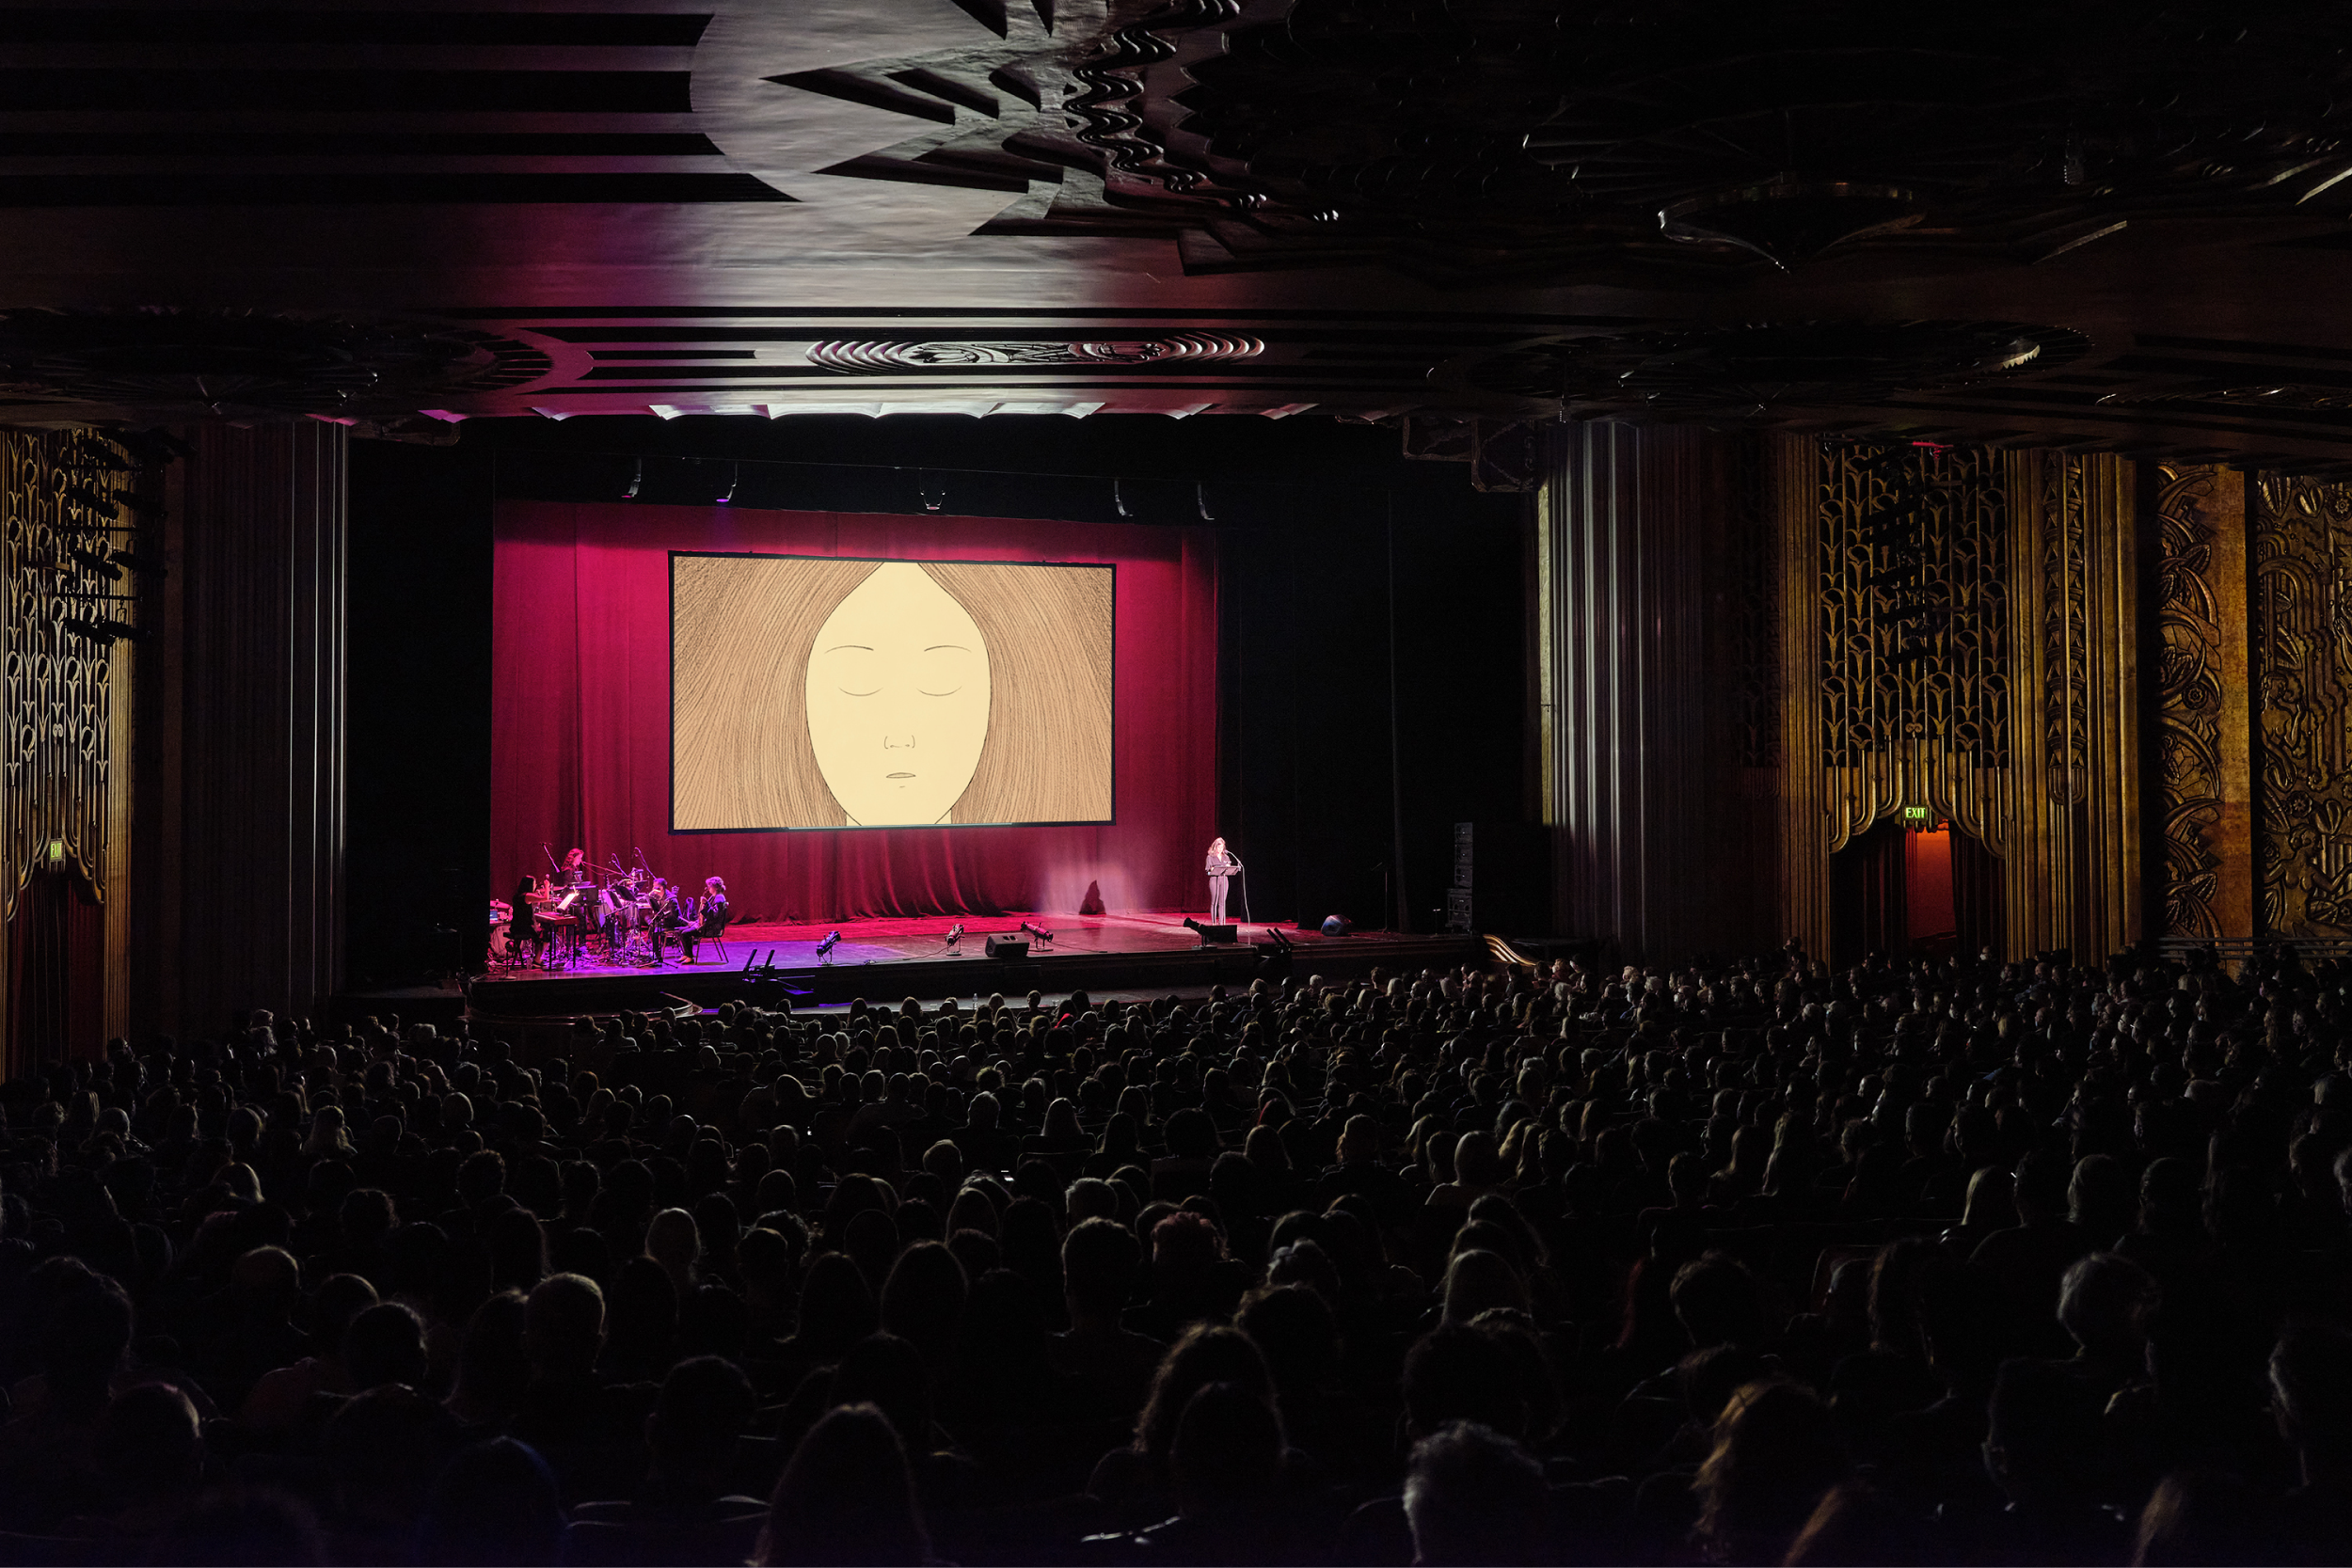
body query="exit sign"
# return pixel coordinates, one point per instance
(1918, 816)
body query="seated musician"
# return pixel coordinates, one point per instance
(661, 914)
(715, 915)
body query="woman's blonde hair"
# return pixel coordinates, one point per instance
(742, 628)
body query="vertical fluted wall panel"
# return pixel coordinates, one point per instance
(1653, 812)
(258, 725)
(1792, 477)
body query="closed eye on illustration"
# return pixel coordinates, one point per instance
(943, 676)
(853, 668)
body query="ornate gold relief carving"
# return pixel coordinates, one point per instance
(2303, 666)
(57, 750)
(2065, 630)
(2201, 741)
(1971, 617)
(1914, 634)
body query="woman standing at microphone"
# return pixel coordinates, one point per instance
(1221, 865)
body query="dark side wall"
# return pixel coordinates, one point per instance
(418, 768)
(1322, 793)
(1316, 519)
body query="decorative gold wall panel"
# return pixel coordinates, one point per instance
(2303, 651)
(2202, 760)
(1962, 635)
(65, 696)
(1915, 639)
(2075, 877)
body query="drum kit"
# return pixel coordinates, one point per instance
(616, 916)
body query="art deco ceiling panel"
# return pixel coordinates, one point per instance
(2108, 225)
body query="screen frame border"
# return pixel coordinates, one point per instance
(670, 561)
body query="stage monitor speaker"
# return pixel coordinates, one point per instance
(1008, 947)
(1220, 933)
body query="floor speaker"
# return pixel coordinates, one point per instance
(1008, 947)
(1220, 933)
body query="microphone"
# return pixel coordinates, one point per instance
(1038, 932)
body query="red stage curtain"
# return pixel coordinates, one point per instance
(1868, 912)
(1979, 895)
(56, 972)
(581, 753)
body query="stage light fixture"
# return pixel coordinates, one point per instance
(933, 494)
(735, 477)
(1118, 498)
(636, 481)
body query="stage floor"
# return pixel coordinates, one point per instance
(897, 940)
(886, 959)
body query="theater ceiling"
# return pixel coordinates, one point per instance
(2120, 227)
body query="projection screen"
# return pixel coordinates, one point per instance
(812, 692)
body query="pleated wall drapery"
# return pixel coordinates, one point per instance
(1869, 911)
(238, 808)
(56, 956)
(1653, 566)
(581, 746)
(1979, 897)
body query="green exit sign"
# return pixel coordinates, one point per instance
(1917, 817)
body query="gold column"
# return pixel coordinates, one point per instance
(1792, 477)
(2073, 866)
(2202, 707)
(2114, 912)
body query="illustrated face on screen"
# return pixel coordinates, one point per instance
(897, 699)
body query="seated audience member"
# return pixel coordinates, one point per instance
(687, 1511)
(1473, 1497)
(845, 1497)
(384, 1450)
(2310, 1393)
(1777, 1451)
(1232, 1503)
(494, 1502)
